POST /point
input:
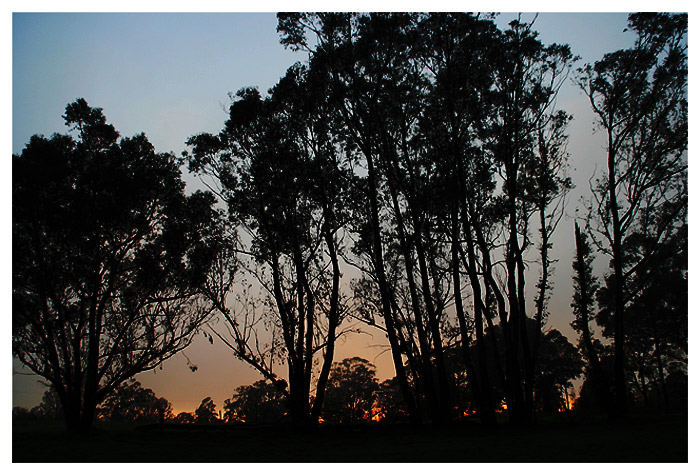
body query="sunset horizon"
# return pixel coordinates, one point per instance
(226, 221)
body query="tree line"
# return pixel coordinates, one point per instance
(354, 396)
(353, 393)
(423, 153)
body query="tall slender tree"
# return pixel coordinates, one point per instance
(285, 182)
(412, 90)
(358, 54)
(639, 97)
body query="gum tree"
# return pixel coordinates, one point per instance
(108, 252)
(639, 97)
(285, 182)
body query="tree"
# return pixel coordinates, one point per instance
(351, 392)
(258, 403)
(440, 108)
(585, 288)
(184, 418)
(656, 318)
(524, 140)
(108, 252)
(559, 363)
(455, 50)
(206, 412)
(361, 57)
(50, 406)
(22, 414)
(131, 402)
(389, 405)
(489, 118)
(276, 166)
(639, 96)
(377, 88)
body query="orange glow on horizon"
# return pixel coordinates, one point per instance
(503, 407)
(375, 414)
(567, 405)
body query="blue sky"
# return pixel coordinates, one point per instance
(169, 75)
(165, 74)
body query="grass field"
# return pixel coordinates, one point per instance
(641, 439)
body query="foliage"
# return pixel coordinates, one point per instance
(656, 322)
(258, 403)
(389, 405)
(275, 166)
(50, 406)
(22, 414)
(49, 409)
(107, 252)
(639, 96)
(206, 412)
(558, 365)
(351, 391)
(184, 418)
(131, 402)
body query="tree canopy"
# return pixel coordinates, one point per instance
(108, 252)
(639, 203)
(258, 403)
(351, 392)
(206, 412)
(409, 176)
(131, 402)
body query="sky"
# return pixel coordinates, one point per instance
(169, 76)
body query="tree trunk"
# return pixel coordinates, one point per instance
(378, 260)
(600, 382)
(660, 368)
(443, 393)
(619, 311)
(332, 323)
(483, 400)
(512, 331)
(426, 366)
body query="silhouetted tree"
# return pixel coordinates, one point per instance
(107, 255)
(22, 414)
(656, 318)
(284, 180)
(559, 363)
(524, 139)
(206, 412)
(639, 96)
(131, 402)
(50, 406)
(389, 405)
(456, 48)
(440, 108)
(365, 60)
(590, 398)
(184, 418)
(489, 117)
(677, 388)
(583, 304)
(351, 391)
(258, 403)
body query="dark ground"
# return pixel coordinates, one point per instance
(639, 439)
